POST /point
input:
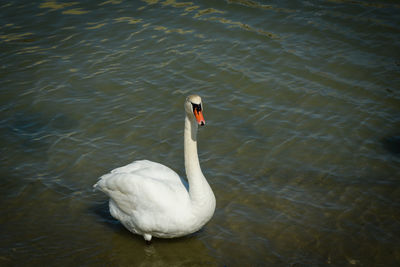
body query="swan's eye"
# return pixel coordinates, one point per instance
(196, 107)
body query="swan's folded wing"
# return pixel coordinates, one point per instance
(143, 186)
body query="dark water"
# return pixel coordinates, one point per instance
(301, 147)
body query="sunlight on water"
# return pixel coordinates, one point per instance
(301, 145)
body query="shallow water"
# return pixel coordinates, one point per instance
(301, 147)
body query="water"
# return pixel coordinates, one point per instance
(301, 147)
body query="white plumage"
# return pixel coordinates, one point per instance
(150, 199)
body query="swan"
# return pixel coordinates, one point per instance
(151, 200)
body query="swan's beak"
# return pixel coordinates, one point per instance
(199, 117)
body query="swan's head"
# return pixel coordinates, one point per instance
(194, 109)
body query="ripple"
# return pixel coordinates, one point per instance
(300, 146)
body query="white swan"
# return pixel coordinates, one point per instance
(150, 199)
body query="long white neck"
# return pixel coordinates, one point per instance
(200, 192)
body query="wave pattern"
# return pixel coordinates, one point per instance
(301, 146)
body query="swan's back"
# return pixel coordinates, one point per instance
(150, 168)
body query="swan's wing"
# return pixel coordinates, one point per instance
(143, 187)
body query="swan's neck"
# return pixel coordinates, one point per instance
(199, 190)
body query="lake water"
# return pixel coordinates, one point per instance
(301, 146)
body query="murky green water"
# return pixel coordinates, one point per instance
(301, 147)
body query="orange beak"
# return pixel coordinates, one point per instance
(199, 117)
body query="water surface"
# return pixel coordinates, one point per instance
(301, 147)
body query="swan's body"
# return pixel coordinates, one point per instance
(150, 199)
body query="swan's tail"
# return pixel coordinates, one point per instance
(100, 184)
(96, 187)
